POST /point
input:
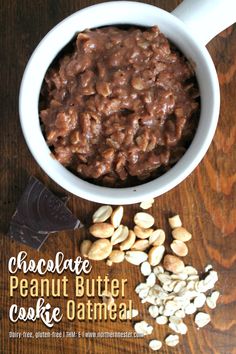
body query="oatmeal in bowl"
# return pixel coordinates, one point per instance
(121, 107)
(120, 116)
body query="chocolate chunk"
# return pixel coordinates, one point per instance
(27, 236)
(39, 212)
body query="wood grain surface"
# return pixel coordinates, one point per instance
(205, 201)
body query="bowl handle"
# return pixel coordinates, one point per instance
(206, 18)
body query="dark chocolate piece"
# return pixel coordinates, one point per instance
(39, 212)
(27, 236)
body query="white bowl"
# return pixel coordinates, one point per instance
(112, 13)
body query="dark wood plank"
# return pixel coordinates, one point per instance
(205, 200)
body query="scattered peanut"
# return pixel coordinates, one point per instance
(101, 230)
(173, 264)
(100, 250)
(120, 235)
(142, 233)
(155, 255)
(179, 248)
(175, 222)
(117, 216)
(181, 234)
(128, 242)
(147, 204)
(117, 256)
(85, 247)
(136, 257)
(102, 214)
(145, 268)
(157, 238)
(144, 220)
(140, 245)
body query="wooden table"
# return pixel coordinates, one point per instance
(205, 201)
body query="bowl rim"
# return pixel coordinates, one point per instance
(127, 195)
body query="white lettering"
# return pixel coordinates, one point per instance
(41, 311)
(59, 265)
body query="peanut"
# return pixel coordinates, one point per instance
(143, 220)
(142, 233)
(140, 245)
(101, 230)
(100, 250)
(136, 257)
(117, 256)
(128, 242)
(116, 216)
(181, 234)
(102, 214)
(85, 247)
(175, 221)
(146, 204)
(155, 255)
(173, 264)
(120, 235)
(179, 248)
(157, 238)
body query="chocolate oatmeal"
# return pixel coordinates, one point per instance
(121, 108)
